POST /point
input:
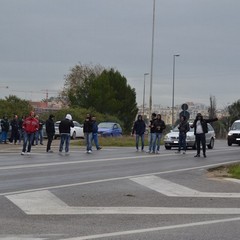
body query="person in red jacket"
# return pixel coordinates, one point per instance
(30, 126)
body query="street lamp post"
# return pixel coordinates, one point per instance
(151, 75)
(145, 74)
(174, 56)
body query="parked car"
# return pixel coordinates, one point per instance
(76, 131)
(171, 139)
(109, 129)
(234, 134)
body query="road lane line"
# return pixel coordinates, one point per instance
(171, 189)
(156, 229)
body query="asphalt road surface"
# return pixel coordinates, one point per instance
(117, 193)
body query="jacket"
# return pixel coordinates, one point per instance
(139, 127)
(88, 126)
(30, 125)
(183, 127)
(159, 125)
(204, 123)
(65, 126)
(50, 127)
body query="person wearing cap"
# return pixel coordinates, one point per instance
(50, 130)
(200, 129)
(30, 126)
(65, 130)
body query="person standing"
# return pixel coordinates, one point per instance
(159, 126)
(183, 129)
(30, 126)
(87, 130)
(200, 129)
(50, 130)
(139, 128)
(65, 130)
(95, 132)
(15, 129)
(39, 133)
(5, 129)
(152, 136)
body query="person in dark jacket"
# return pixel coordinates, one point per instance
(50, 130)
(200, 129)
(65, 130)
(87, 130)
(15, 129)
(139, 128)
(159, 126)
(95, 132)
(183, 129)
(152, 134)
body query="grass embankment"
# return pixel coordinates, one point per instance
(234, 171)
(231, 170)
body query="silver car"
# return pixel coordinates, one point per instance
(171, 139)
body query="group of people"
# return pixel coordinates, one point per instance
(157, 125)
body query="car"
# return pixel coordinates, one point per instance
(109, 129)
(171, 139)
(234, 134)
(76, 131)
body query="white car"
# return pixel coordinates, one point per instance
(76, 131)
(171, 139)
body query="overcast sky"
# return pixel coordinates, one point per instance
(42, 39)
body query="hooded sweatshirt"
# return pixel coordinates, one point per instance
(66, 124)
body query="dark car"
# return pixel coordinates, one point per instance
(109, 129)
(234, 134)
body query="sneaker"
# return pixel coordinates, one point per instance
(28, 153)
(50, 151)
(184, 152)
(178, 152)
(22, 153)
(99, 148)
(198, 155)
(89, 151)
(157, 152)
(204, 155)
(147, 151)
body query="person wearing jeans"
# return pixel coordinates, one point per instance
(183, 129)
(65, 130)
(95, 133)
(152, 136)
(160, 126)
(88, 130)
(139, 130)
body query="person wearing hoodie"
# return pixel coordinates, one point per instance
(50, 130)
(65, 130)
(200, 129)
(95, 133)
(159, 126)
(183, 129)
(139, 128)
(88, 130)
(30, 126)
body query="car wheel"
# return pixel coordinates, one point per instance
(229, 143)
(74, 135)
(211, 144)
(168, 148)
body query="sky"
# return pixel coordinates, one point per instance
(41, 40)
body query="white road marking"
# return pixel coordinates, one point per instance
(116, 179)
(176, 190)
(156, 229)
(46, 203)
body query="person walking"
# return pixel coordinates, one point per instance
(30, 126)
(50, 130)
(65, 130)
(159, 126)
(87, 130)
(183, 129)
(152, 134)
(95, 133)
(139, 128)
(5, 129)
(200, 129)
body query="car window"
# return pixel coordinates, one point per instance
(105, 125)
(235, 126)
(210, 128)
(76, 124)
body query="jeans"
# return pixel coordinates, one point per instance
(200, 138)
(152, 142)
(88, 141)
(142, 140)
(95, 139)
(158, 140)
(27, 141)
(4, 136)
(182, 141)
(65, 138)
(39, 136)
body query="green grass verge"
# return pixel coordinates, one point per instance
(234, 170)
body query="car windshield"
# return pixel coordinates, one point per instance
(236, 126)
(105, 125)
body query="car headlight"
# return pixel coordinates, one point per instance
(230, 134)
(166, 137)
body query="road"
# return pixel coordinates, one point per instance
(117, 193)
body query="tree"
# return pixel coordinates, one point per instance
(234, 111)
(14, 105)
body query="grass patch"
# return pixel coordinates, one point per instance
(234, 171)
